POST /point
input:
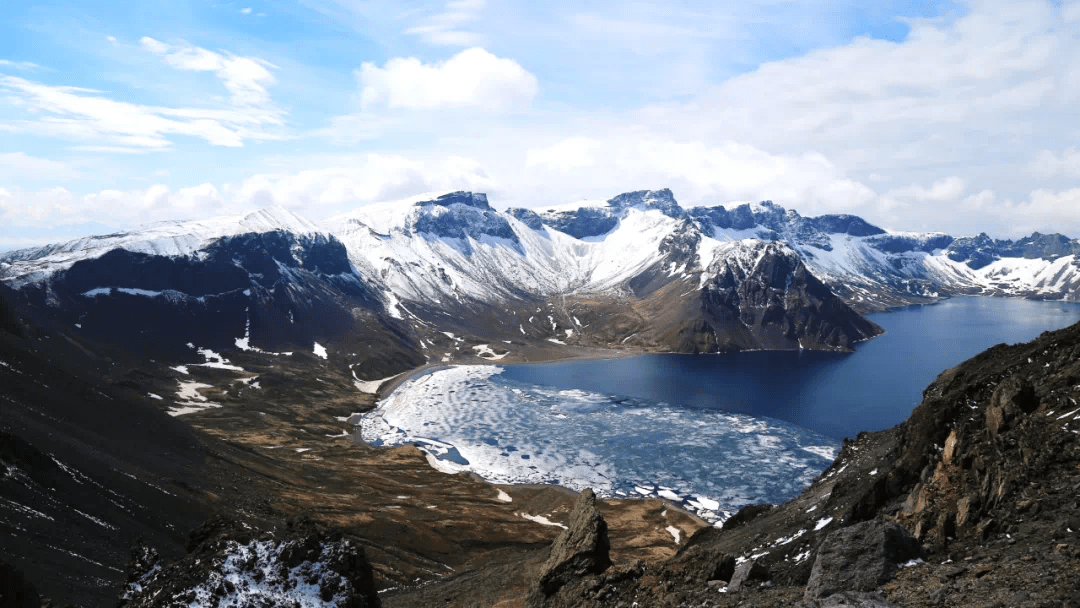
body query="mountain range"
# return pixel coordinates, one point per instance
(425, 280)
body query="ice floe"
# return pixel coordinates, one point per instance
(469, 418)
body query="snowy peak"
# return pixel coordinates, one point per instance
(176, 238)
(661, 200)
(469, 199)
(460, 216)
(277, 218)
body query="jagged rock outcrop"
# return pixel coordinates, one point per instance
(862, 557)
(581, 550)
(230, 565)
(775, 303)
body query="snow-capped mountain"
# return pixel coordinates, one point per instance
(267, 281)
(432, 275)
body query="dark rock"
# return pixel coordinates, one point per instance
(844, 224)
(527, 217)
(746, 514)
(582, 549)
(9, 321)
(750, 570)
(848, 599)
(290, 567)
(469, 199)
(583, 222)
(861, 558)
(15, 590)
(662, 200)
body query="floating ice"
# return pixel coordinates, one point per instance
(469, 418)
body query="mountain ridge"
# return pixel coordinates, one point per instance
(648, 273)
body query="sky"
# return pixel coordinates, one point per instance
(959, 117)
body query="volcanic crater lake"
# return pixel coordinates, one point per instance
(713, 432)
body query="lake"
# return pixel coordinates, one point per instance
(836, 394)
(710, 432)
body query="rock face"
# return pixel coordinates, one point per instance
(581, 550)
(228, 566)
(15, 590)
(862, 557)
(1013, 397)
(775, 303)
(9, 322)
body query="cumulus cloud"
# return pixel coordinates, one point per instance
(472, 78)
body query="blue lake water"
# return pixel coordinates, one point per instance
(710, 432)
(837, 394)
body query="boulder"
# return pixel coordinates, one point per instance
(1011, 398)
(750, 570)
(860, 558)
(582, 549)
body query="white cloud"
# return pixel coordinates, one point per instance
(1045, 210)
(999, 77)
(1049, 164)
(245, 77)
(568, 154)
(472, 78)
(109, 125)
(19, 65)
(20, 165)
(315, 193)
(245, 11)
(445, 28)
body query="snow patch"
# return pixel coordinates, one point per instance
(540, 519)
(674, 532)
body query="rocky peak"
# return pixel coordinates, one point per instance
(469, 199)
(661, 200)
(526, 216)
(844, 224)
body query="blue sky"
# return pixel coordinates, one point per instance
(954, 116)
